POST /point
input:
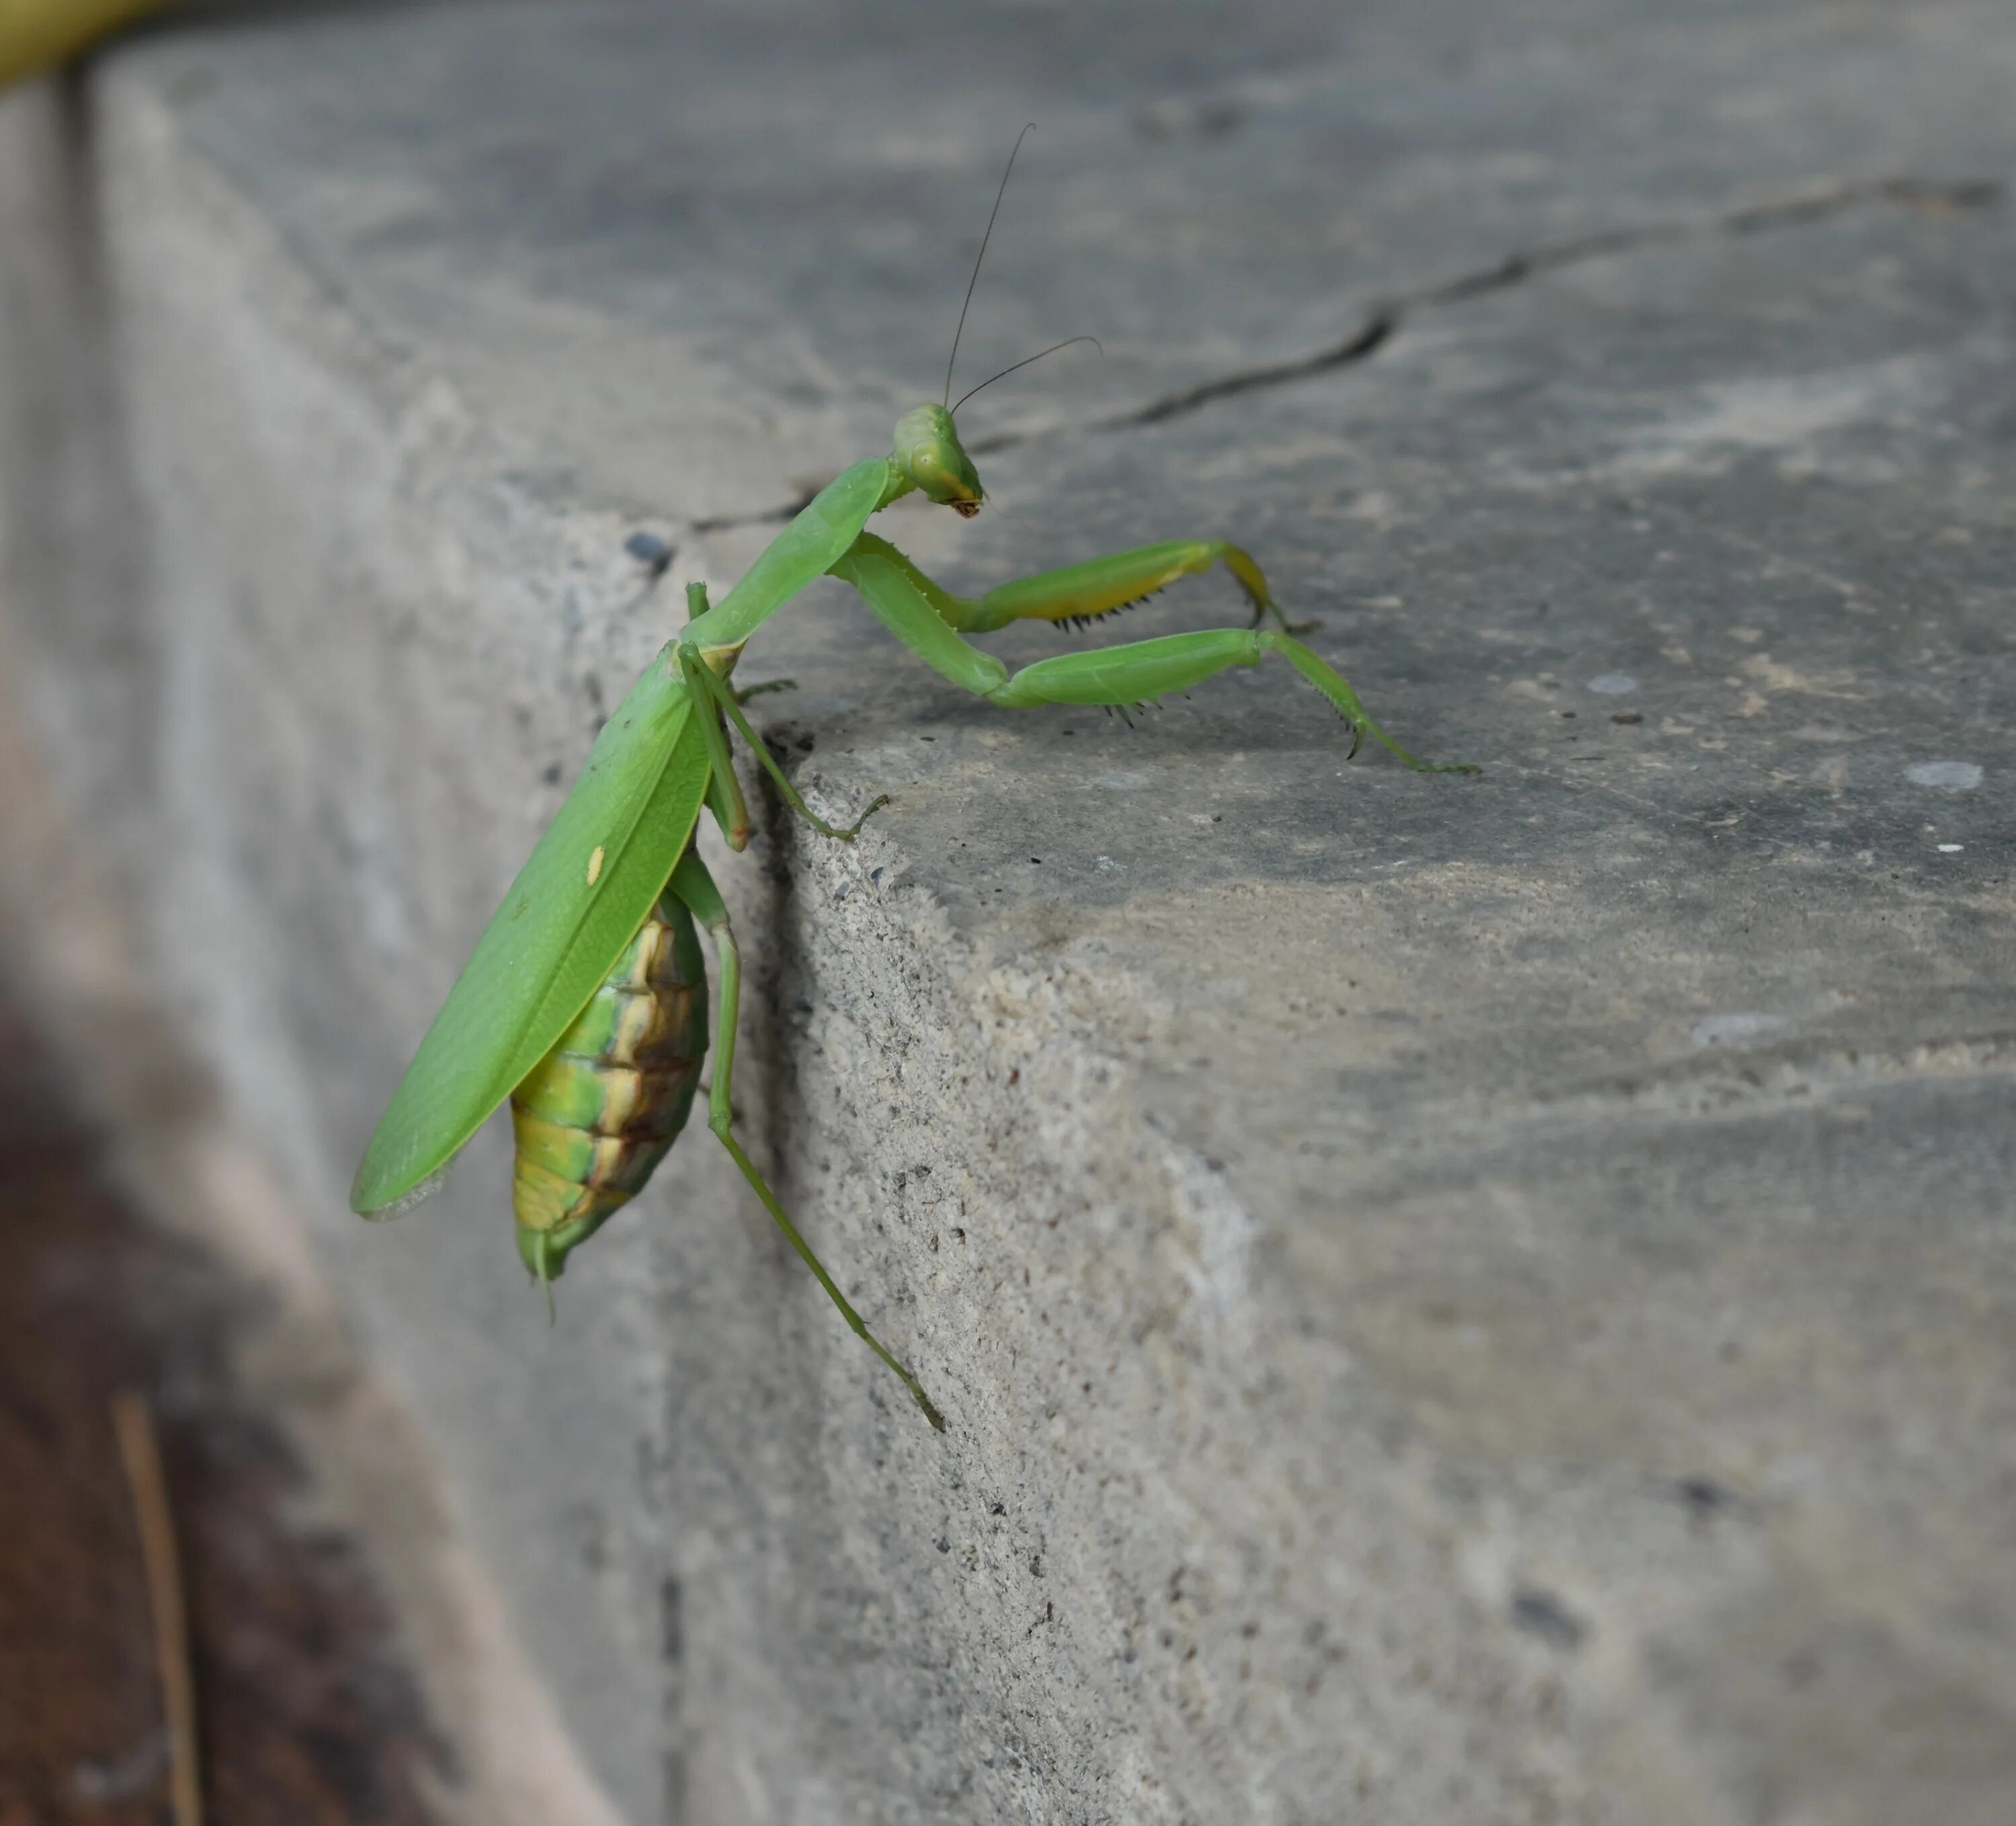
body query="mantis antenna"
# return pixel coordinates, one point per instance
(1024, 362)
(975, 280)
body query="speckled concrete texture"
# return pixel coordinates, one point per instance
(1459, 1299)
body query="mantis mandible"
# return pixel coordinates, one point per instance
(584, 1002)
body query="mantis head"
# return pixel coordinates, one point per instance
(929, 455)
(931, 459)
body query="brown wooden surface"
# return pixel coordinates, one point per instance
(308, 1713)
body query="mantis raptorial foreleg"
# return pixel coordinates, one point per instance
(1084, 592)
(913, 608)
(693, 885)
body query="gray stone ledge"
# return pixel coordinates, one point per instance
(1459, 1299)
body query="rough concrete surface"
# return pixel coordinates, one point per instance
(1459, 1299)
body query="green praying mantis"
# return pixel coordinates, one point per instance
(585, 1002)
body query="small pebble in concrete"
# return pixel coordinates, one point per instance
(1946, 776)
(1951, 849)
(649, 549)
(1738, 1030)
(1541, 1614)
(1627, 716)
(1703, 1496)
(1613, 684)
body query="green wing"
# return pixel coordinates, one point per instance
(585, 890)
(577, 901)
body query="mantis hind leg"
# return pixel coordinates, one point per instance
(694, 886)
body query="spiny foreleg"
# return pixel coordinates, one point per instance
(1138, 672)
(1098, 586)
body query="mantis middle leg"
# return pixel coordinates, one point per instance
(693, 885)
(724, 792)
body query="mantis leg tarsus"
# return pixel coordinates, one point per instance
(692, 884)
(1262, 610)
(1344, 701)
(850, 831)
(745, 693)
(1253, 580)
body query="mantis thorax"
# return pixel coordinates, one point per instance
(930, 457)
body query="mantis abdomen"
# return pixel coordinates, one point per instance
(597, 1114)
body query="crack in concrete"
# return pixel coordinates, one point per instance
(1385, 320)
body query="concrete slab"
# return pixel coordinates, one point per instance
(1458, 1299)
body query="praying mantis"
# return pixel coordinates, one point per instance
(586, 1000)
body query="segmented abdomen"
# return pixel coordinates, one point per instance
(596, 1116)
